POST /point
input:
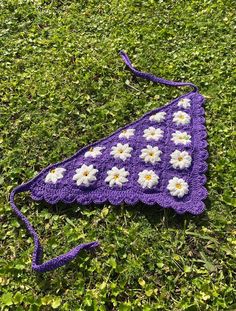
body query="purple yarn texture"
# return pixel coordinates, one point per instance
(158, 180)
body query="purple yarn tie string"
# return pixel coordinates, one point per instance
(151, 77)
(38, 251)
(196, 206)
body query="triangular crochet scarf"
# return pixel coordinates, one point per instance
(158, 159)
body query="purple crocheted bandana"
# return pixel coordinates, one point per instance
(158, 159)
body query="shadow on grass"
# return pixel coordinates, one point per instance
(155, 215)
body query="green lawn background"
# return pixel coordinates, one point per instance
(63, 85)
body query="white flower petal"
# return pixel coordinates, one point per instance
(181, 138)
(60, 170)
(178, 187)
(121, 151)
(116, 176)
(94, 152)
(148, 179)
(153, 133)
(158, 117)
(54, 175)
(151, 154)
(180, 159)
(127, 133)
(181, 118)
(184, 102)
(85, 175)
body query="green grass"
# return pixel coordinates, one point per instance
(63, 86)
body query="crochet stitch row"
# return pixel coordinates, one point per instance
(86, 174)
(153, 171)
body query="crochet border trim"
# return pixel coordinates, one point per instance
(194, 206)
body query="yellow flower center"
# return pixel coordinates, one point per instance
(53, 171)
(151, 153)
(180, 158)
(85, 173)
(91, 149)
(124, 131)
(148, 177)
(178, 186)
(121, 151)
(116, 176)
(183, 137)
(181, 117)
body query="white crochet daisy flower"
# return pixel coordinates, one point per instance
(148, 179)
(181, 138)
(181, 118)
(151, 154)
(117, 176)
(180, 159)
(54, 175)
(85, 175)
(158, 117)
(127, 133)
(153, 133)
(178, 187)
(121, 151)
(93, 152)
(185, 103)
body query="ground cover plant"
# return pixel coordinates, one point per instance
(63, 85)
